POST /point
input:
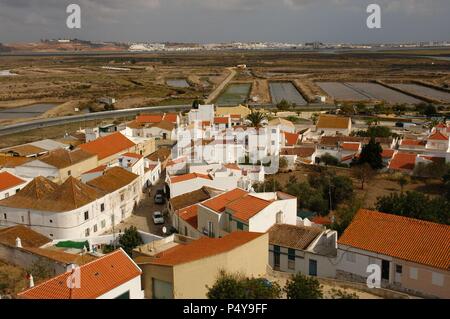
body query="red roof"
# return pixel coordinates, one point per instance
(291, 138)
(97, 278)
(403, 161)
(8, 180)
(171, 117)
(221, 120)
(247, 206)
(98, 169)
(187, 177)
(387, 153)
(438, 136)
(233, 166)
(441, 125)
(350, 146)
(108, 145)
(189, 215)
(411, 142)
(218, 203)
(133, 155)
(321, 220)
(203, 248)
(149, 118)
(400, 237)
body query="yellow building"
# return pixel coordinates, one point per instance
(185, 270)
(240, 110)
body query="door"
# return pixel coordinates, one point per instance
(162, 289)
(312, 267)
(385, 270)
(276, 257)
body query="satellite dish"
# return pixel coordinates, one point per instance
(164, 230)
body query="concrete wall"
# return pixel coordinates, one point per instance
(150, 272)
(266, 218)
(132, 286)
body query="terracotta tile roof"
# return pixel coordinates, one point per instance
(108, 145)
(149, 118)
(62, 257)
(61, 158)
(403, 161)
(13, 161)
(113, 179)
(164, 125)
(221, 120)
(189, 215)
(290, 236)
(387, 153)
(187, 177)
(203, 248)
(332, 122)
(218, 203)
(98, 169)
(299, 151)
(246, 207)
(24, 150)
(133, 155)
(291, 138)
(441, 125)
(350, 146)
(171, 117)
(235, 116)
(135, 125)
(28, 237)
(400, 237)
(189, 199)
(411, 142)
(162, 154)
(98, 277)
(41, 194)
(438, 136)
(8, 180)
(321, 220)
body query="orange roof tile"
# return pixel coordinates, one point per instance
(8, 180)
(171, 117)
(98, 169)
(350, 146)
(291, 138)
(98, 277)
(411, 142)
(28, 237)
(321, 220)
(189, 215)
(387, 153)
(132, 155)
(187, 177)
(333, 122)
(218, 203)
(221, 120)
(232, 166)
(113, 179)
(438, 136)
(246, 207)
(441, 125)
(403, 161)
(149, 118)
(13, 161)
(108, 145)
(203, 248)
(299, 151)
(400, 237)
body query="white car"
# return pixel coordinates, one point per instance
(158, 218)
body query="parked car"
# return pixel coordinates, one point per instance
(158, 218)
(159, 199)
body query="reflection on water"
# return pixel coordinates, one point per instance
(25, 111)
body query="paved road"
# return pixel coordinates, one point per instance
(40, 123)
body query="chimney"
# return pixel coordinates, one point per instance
(18, 243)
(30, 281)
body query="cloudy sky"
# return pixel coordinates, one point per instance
(226, 20)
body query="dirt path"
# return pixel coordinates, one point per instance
(214, 94)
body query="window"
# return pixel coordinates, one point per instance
(69, 173)
(291, 258)
(240, 226)
(210, 229)
(185, 231)
(51, 221)
(398, 269)
(87, 232)
(274, 130)
(51, 235)
(273, 142)
(23, 219)
(413, 273)
(350, 257)
(276, 257)
(86, 215)
(95, 228)
(5, 217)
(102, 207)
(17, 190)
(103, 223)
(6, 195)
(437, 279)
(279, 218)
(122, 197)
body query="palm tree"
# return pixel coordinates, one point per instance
(256, 118)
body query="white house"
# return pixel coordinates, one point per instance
(73, 209)
(334, 125)
(204, 113)
(113, 276)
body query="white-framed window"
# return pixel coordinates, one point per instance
(437, 279)
(86, 215)
(95, 228)
(103, 223)
(23, 219)
(87, 232)
(350, 257)
(413, 274)
(6, 195)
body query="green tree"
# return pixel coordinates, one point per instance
(196, 103)
(402, 181)
(344, 215)
(130, 239)
(237, 286)
(256, 118)
(41, 270)
(363, 173)
(283, 163)
(375, 131)
(284, 105)
(371, 154)
(329, 160)
(302, 287)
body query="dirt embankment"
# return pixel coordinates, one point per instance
(260, 90)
